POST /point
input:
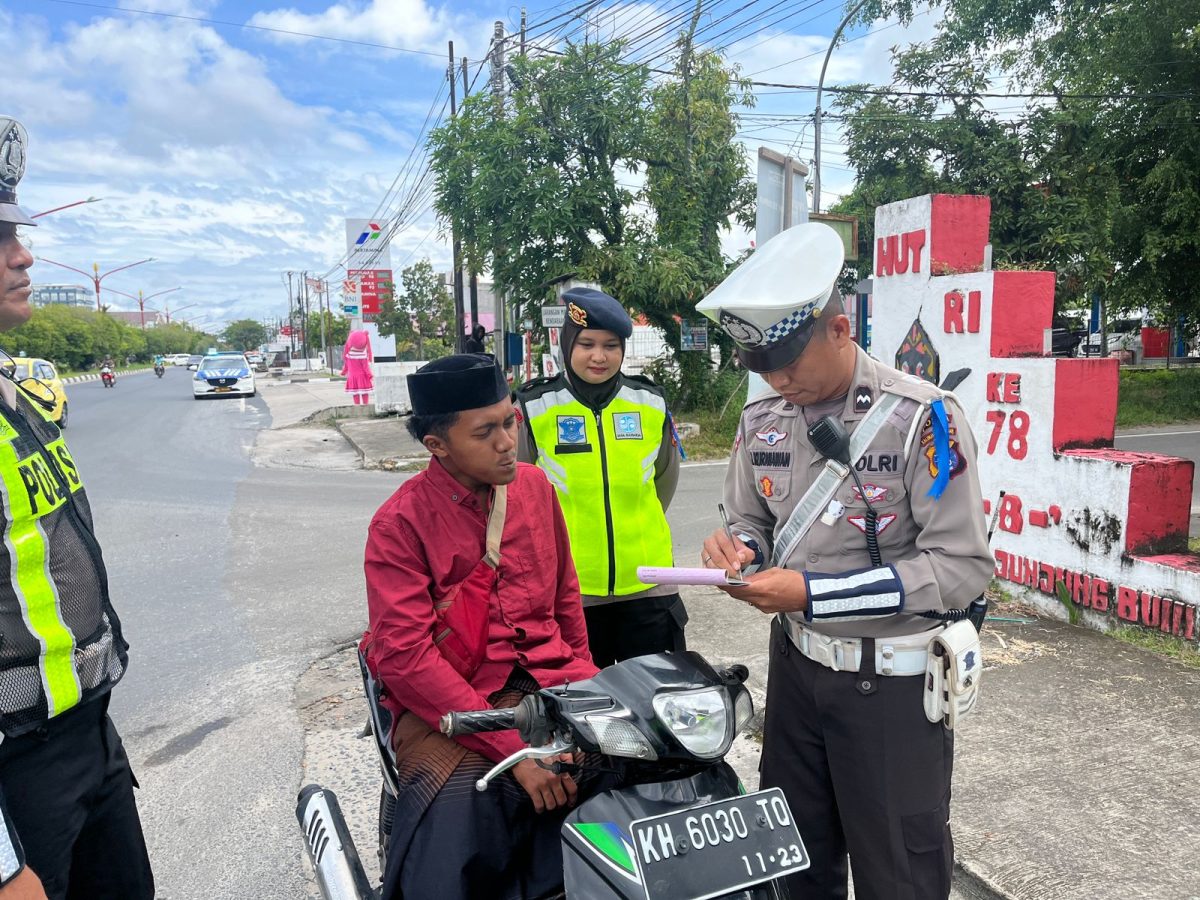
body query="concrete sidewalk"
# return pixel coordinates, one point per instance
(1075, 779)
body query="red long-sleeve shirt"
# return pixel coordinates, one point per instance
(426, 538)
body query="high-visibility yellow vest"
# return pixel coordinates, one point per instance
(62, 642)
(602, 467)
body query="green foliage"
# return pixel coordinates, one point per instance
(75, 338)
(337, 328)
(245, 334)
(1064, 597)
(548, 184)
(1158, 397)
(420, 315)
(1111, 198)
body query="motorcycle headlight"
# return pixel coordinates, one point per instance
(699, 720)
(617, 737)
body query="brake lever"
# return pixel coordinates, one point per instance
(536, 753)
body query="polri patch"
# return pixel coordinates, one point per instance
(766, 486)
(572, 430)
(627, 426)
(872, 493)
(881, 461)
(863, 398)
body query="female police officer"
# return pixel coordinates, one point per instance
(866, 769)
(606, 442)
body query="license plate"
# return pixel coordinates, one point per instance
(718, 848)
(224, 390)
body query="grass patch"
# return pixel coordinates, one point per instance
(716, 432)
(1158, 397)
(1162, 644)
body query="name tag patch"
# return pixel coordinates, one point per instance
(771, 459)
(572, 430)
(627, 426)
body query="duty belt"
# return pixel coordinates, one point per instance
(902, 655)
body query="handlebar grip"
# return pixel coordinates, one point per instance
(459, 723)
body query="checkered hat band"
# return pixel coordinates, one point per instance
(782, 329)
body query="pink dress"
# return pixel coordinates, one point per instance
(356, 365)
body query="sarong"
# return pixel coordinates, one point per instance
(452, 842)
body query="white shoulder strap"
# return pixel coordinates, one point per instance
(826, 485)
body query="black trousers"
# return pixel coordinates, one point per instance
(630, 628)
(69, 792)
(865, 773)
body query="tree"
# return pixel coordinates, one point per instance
(337, 328)
(1112, 147)
(589, 169)
(245, 334)
(421, 315)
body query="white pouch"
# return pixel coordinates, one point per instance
(953, 673)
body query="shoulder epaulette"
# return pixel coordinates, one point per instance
(646, 381)
(535, 386)
(912, 387)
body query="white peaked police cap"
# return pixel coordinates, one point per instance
(768, 305)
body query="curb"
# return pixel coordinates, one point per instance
(78, 379)
(977, 885)
(384, 464)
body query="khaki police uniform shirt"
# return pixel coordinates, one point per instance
(939, 547)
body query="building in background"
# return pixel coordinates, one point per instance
(135, 317)
(64, 294)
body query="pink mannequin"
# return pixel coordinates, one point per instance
(356, 366)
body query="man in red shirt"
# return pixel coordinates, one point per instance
(428, 550)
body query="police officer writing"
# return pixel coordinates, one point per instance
(69, 827)
(606, 442)
(850, 734)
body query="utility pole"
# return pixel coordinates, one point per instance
(474, 277)
(456, 239)
(498, 98)
(304, 319)
(291, 323)
(322, 305)
(522, 32)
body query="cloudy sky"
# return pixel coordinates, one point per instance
(230, 140)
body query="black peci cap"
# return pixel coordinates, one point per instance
(456, 383)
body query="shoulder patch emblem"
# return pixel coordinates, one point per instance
(863, 398)
(766, 486)
(771, 437)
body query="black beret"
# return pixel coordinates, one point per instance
(590, 308)
(456, 383)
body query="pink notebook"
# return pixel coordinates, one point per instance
(663, 575)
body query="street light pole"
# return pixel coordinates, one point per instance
(816, 204)
(167, 310)
(95, 274)
(141, 301)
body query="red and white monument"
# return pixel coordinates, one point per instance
(1110, 525)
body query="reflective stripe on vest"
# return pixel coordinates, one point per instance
(31, 492)
(603, 470)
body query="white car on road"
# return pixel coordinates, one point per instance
(223, 374)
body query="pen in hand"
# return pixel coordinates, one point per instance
(737, 563)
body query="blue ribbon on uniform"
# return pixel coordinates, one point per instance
(941, 447)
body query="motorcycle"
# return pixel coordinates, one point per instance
(680, 826)
(108, 376)
(159, 369)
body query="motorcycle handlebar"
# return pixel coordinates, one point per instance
(460, 723)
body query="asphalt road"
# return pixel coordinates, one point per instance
(229, 580)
